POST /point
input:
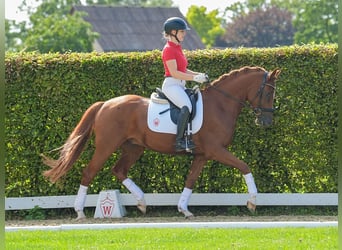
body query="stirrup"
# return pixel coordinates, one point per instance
(181, 145)
(189, 145)
(185, 144)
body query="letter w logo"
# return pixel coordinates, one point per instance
(107, 210)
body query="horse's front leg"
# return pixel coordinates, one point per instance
(195, 170)
(227, 158)
(252, 190)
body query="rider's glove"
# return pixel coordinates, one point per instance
(201, 78)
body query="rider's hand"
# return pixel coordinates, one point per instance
(201, 78)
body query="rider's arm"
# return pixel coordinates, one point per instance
(172, 66)
(192, 72)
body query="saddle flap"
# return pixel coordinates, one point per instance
(159, 118)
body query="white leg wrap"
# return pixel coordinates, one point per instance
(134, 189)
(184, 199)
(252, 190)
(81, 198)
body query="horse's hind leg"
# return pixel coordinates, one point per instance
(102, 152)
(129, 155)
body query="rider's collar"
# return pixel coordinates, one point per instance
(173, 44)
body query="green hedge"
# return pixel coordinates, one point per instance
(46, 94)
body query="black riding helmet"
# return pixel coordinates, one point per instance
(175, 23)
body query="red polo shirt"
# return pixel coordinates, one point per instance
(174, 51)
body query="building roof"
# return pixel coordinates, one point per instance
(133, 28)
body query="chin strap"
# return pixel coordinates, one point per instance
(176, 36)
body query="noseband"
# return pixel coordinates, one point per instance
(260, 93)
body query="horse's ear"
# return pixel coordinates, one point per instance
(274, 75)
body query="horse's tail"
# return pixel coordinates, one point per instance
(74, 145)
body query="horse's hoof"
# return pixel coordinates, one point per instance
(187, 213)
(189, 216)
(142, 206)
(80, 215)
(251, 206)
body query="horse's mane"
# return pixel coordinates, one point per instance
(235, 73)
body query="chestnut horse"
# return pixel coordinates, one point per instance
(121, 123)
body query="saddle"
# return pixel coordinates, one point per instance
(160, 97)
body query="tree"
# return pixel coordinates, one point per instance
(68, 34)
(313, 20)
(53, 29)
(207, 25)
(317, 22)
(140, 3)
(12, 38)
(260, 28)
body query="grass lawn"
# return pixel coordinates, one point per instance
(177, 238)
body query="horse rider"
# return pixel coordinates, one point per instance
(176, 75)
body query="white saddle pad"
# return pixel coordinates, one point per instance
(162, 123)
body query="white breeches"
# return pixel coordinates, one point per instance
(174, 90)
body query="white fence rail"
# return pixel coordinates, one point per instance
(171, 199)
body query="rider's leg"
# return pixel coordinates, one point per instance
(182, 123)
(174, 90)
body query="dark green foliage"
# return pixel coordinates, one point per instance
(36, 213)
(46, 95)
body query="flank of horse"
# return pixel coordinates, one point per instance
(121, 123)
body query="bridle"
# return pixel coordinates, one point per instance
(260, 93)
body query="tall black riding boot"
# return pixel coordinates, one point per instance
(181, 126)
